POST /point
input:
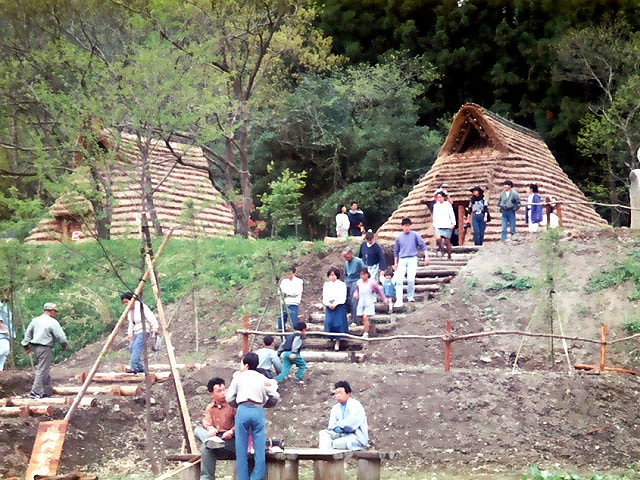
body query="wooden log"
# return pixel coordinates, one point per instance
(113, 390)
(5, 402)
(68, 476)
(14, 411)
(166, 367)
(162, 376)
(115, 377)
(328, 356)
(86, 402)
(582, 366)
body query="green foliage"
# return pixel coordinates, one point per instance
(67, 274)
(282, 204)
(511, 282)
(632, 324)
(625, 271)
(536, 474)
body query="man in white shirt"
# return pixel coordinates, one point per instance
(138, 312)
(348, 428)
(291, 288)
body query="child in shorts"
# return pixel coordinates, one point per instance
(388, 288)
(365, 294)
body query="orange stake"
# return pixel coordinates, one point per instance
(603, 345)
(447, 347)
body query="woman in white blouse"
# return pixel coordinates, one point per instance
(342, 222)
(334, 297)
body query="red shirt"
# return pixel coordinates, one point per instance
(221, 417)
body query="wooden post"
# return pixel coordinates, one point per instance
(113, 334)
(603, 346)
(462, 232)
(328, 469)
(447, 347)
(245, 336)
(559, 213)
(182, 401)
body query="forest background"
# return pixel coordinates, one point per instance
(334, 101)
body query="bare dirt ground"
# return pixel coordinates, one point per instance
(483, 419)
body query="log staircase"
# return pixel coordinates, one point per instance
(430, 281)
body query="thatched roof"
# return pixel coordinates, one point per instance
(177, 188)
(485, 149)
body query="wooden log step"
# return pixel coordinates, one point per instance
(115, 377)
(436, 273)
(332, 356)
(25, 411)
(113, 390)
(165, 367)
(317, 343)
(85, 402)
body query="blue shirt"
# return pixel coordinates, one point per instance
(408, 245)
(352, 270)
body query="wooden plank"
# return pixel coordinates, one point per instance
(47, 448)
(115, 377)
(177, 381)
(86, 402)
(14, 411)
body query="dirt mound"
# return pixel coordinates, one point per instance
(484, 418)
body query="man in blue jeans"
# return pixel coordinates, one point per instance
(508, 204)
(251, 391)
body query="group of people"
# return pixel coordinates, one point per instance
(234, 422)
(350, 223)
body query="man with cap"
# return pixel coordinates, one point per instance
(508, 203)
(372, 255)
(479, 213)
(41, 334)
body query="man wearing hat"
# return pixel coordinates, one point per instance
(41, 334)
(508, 203)
(479, 212)
(372, 255)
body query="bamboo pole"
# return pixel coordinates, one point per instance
(113, 334)
(182, 401)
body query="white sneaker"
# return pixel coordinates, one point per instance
(365, 335)
(398, 305)
(214, 442)
(411, 299)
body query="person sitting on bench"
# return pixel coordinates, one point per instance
(217, 432)
(348, 428)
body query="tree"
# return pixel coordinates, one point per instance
(249, 46)
(606, 60)
(356, 134)
(282, 203)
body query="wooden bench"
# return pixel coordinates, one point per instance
(327, 464)
(370, 463)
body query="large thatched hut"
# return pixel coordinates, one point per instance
(485, 149)
(177, 189)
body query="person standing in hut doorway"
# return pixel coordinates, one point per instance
(479, 212)
(508, 203)
(533, 209)
(342, 222)
(444, 221)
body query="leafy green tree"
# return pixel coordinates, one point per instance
(282, 203)
(605, 59)
(357, 136)
(250, 46)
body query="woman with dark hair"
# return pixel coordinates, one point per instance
(533, 209)
(342, 222)
(334, 297)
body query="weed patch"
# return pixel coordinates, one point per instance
(510, 282)
(628, 270)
